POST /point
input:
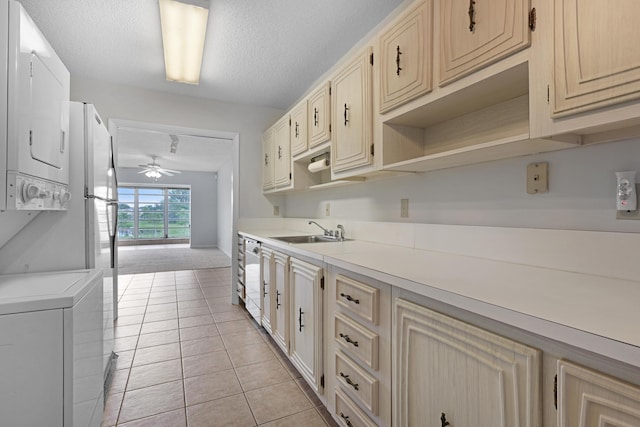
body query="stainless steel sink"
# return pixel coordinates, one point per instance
(307, 239)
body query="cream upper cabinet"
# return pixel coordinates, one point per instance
(597, 60)
(589, 399)
(280, 319)
(267, 160)
(306, 320)
(281, 153)
(406, 51)
(447, 371)
(352, 114)
(266, 263)
(319, 115)
(476, 33)
(298, 136)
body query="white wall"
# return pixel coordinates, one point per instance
(225, 194)
(582, 188)
(204, 201)
(129, 103)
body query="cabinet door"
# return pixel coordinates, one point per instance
(352, 115)
(280, 322)
(319, 115)
(306, 320)
(267, 161)
(476, 33)
(299, 129)
(451, 371)
(281, 153)
(407, 54)
(31, 369)
(266, 263)
(597, 60)
(590, 399)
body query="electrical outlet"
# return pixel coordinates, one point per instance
(629, 214)
(276, 211)
(404, 208)
(538, 178)
(327, 209)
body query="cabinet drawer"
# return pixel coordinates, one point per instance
(359, 382)
(357, 340)
(348, 412)
(358, 297)
(592, 398)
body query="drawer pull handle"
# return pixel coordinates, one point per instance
(348, 339)
(264, 288)
(315, 117)
(346, 419)
(349, 298)
(277, 300)
(349, 381)
(346, 120)
(443, 420)
(300, 313)
(297, 130)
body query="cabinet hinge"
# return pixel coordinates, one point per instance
(31, 69)
(322, 283)
(555, 391)
(329, 128)
(30, 138)
(322, 380)
(289, 175)
(532, 19)
(372, 150)
(548, 94)
(371, 59)
(329, 90)
(289, 122)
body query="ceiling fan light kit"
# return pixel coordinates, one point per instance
(184, 26)
(154, 170)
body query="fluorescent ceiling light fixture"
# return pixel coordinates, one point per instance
(184, 26)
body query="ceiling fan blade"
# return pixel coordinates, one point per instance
(163, 172)
(168, 170)
(144, 170)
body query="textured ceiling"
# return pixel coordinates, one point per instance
(259, 52)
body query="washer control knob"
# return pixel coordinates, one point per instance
(63, 196)
(30, 191)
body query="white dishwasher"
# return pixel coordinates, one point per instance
(51, 371)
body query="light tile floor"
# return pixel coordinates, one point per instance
(187, 356)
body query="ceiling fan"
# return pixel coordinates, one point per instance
(153, 170)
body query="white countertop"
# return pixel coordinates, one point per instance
(596, 313)
(21, 293)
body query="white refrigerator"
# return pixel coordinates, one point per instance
(93, 161)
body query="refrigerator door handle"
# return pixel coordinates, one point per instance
(112, 207)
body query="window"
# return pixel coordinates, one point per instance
(151, 213)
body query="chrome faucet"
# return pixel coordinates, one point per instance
(340, 232)
(326, 232)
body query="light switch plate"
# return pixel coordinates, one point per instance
(538, 178)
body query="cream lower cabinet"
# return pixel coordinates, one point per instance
(280, 314)
(589, 399)
(447, 371)
(596, 54)
(305, 288)
(266, 279)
